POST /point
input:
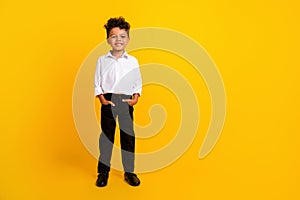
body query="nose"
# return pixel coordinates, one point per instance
(119, 38)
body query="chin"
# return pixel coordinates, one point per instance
(118, 49)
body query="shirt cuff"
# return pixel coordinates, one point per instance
(138, 91)
(98, 91)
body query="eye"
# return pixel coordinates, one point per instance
(123, 36)
(113, 36)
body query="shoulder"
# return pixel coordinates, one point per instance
(101, 57)
(104, 56)
(132, 58)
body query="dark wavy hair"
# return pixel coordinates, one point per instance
(116, 22)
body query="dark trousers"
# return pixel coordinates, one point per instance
(124, 113)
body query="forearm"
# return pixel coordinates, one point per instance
(103, 101)
(101, 98)
(135, 96)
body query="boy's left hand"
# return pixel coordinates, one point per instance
(133, 101)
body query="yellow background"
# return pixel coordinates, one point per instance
(255, 46)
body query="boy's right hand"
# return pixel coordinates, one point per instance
(103, 101)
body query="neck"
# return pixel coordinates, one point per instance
(117, 54)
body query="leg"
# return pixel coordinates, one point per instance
(127, 138)
(106, 141)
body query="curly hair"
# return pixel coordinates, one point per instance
(116, 22)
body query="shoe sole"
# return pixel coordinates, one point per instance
(131, 184)
(101, 185)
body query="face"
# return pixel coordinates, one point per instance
(118, 39)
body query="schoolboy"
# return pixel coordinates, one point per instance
(118, 85)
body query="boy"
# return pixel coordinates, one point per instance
(118, 86)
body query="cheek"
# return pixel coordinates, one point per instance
(126, 41)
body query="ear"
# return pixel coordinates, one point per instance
(128, 38)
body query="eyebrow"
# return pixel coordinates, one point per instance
(122, 34)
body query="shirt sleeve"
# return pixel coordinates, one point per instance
(137, 84)
(97, 80)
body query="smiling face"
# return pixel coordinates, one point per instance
(118, 39)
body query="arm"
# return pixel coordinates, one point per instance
(137, 83)
(137, 86)
(97, 80)
(103, 101)
(132, 101)
(97, 84)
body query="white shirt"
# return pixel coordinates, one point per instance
(119, 76)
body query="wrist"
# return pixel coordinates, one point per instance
(136, 96)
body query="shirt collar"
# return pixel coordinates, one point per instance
(125, 55)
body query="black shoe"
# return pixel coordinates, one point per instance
(132, 179)
(102, 179)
